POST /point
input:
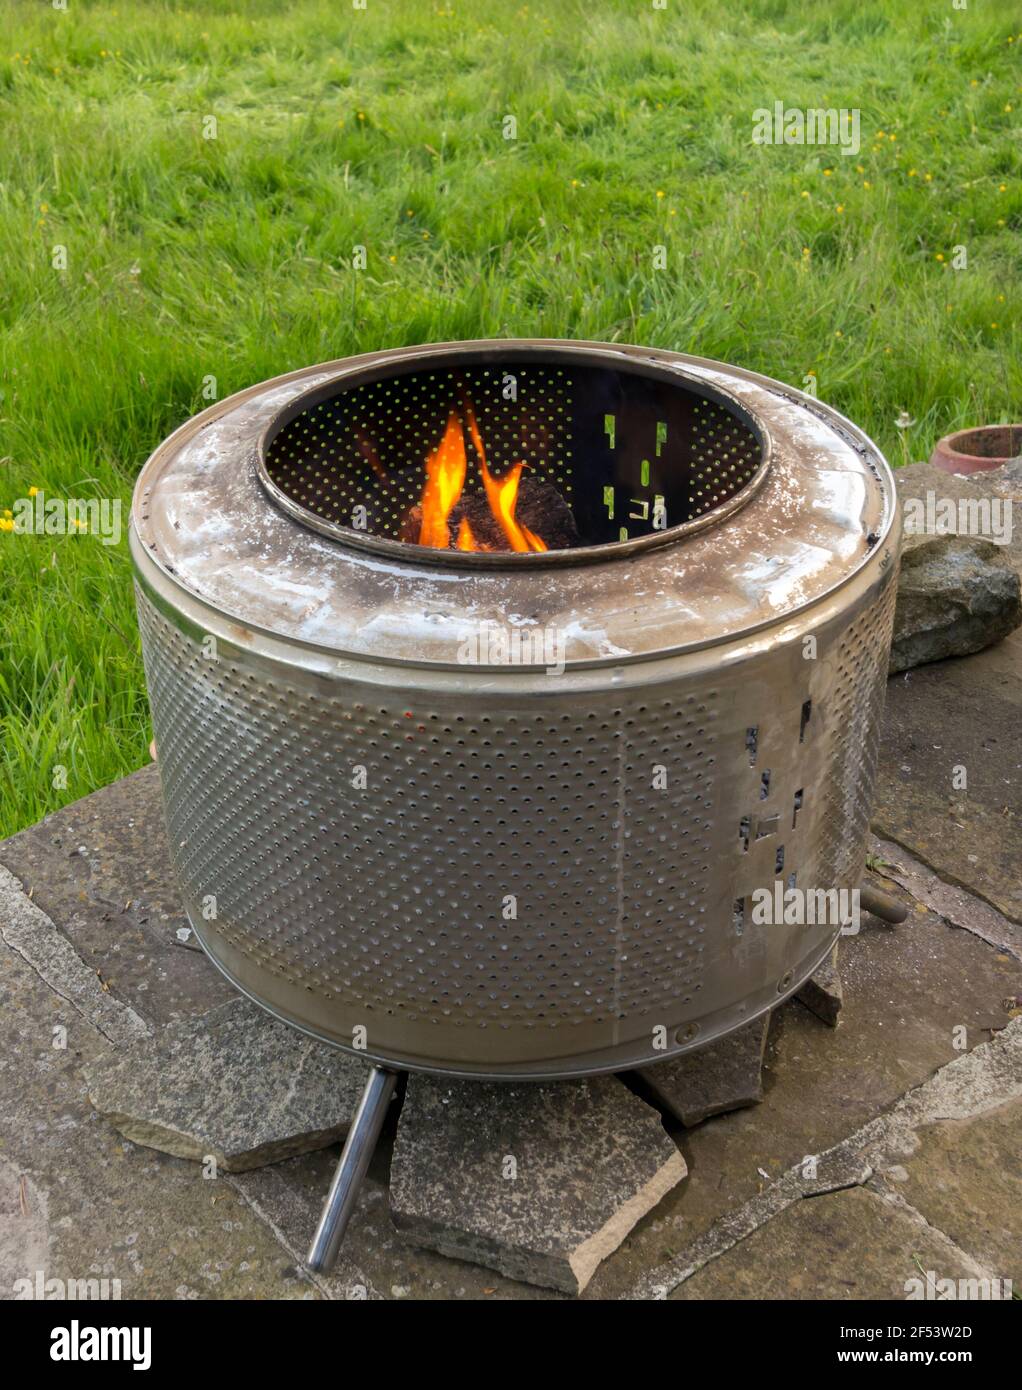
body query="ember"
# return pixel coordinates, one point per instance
(540, 509)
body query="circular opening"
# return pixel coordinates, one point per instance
(484, 457)
(999, 442)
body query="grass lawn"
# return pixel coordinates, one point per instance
(190, 258)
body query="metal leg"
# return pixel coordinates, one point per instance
(882, 904)
(351, 1168)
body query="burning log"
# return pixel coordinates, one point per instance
(512, 513)
(540, 508)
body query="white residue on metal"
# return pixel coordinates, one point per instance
(576, 633)
(779, 580)
(218, 532)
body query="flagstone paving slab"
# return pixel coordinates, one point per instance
(964, 714)
(541, 1181)
(846, 1245)
(78, 1201)
(726, 1075)
(100, 868)
(822, 993)
(966, 1179)
(233, 1084)
(907, 989)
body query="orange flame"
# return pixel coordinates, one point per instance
(446, 467)
(502, 494)
(445, 478)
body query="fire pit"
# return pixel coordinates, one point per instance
(490, 680)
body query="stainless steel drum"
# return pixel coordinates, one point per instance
(500, 813)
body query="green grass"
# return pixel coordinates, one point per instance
(231, 258)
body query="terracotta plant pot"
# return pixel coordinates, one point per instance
(976, 450)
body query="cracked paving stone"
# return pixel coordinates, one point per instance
(851, 1245)
(234, 1084)
(541, 1181)
(965, 1177)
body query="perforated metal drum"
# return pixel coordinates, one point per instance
(483, 784)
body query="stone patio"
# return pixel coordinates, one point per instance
(911, 1107)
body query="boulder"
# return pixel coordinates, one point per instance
(956, 594)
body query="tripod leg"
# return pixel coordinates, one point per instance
(351, 1168)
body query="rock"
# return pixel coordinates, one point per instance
(822, 993)
(233, 1083)
(539, 1180)
(956, 595)
(978, 506)
(726, 1075)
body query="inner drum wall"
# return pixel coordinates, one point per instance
(366, 445)
(388, 907)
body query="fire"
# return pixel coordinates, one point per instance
(445, 478)
(446, 468)
(502, 494)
